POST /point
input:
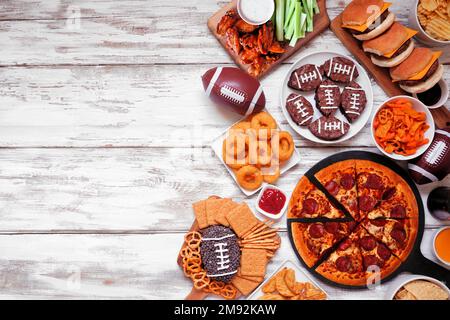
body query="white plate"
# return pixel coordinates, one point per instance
(429, 134)
(319, 58)
(216, 145)
(300, 276)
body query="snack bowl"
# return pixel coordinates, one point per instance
(446, 263)
(444, 95)
(429, 134)
(249, 15)
(267, 214)
(401, 280)
(300, 276)
(422, 35)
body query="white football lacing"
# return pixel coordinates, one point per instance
(308, 76)
(354, 101)
(223, 259)
(335, 125)
(329, 99)
(436, 153)
(342, 69)
(232, 94)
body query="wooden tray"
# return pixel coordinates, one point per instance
(381, 75)
(321, 22)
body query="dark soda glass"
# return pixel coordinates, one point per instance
(438, 203)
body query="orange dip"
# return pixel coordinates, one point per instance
(442, 245)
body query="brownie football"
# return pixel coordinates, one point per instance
(353, 101)
(340, 69)
(306, 78)
(328, 97)
(300, 110)
(329, 128)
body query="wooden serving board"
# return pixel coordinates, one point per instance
(321, 22)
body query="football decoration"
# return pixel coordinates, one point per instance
(306, 78)
(353, 101)
(434, 164)
(329, 128)
(300, 110)
(328, 97)
(220, 253)
(235, 89)
(340, 69)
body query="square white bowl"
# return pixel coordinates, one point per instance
(266, 214)
(429, 134)
(300, 276)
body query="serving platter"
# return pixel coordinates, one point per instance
(321, 22)
(416, 262)
(318, 58)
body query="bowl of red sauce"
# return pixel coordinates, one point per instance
(271, 202)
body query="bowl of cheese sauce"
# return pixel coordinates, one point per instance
(441, 245)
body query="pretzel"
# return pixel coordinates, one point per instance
(228, 292)
(200, 280)
(192, 266)
(216, 287)
(193, 239)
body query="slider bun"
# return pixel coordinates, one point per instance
(416, 62)
(378, 30)
(387, 42)
(358, 11)
(425, 85)
(395, 61)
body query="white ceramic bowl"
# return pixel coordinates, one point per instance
(429, 134)
(444, 96)
(270, 215)
(401, 280)
(446, 263)
(268, 4)
(422, 35)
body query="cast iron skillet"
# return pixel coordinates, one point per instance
(415, 263)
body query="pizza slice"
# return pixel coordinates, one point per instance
(398, 202)
(372, 180)
(313, 240)
(344, 265)
(398, 235)
(378, 259)
(308, 201)
(340, 181)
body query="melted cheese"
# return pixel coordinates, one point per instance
(411, 34)
(364, 26)
(422, 73)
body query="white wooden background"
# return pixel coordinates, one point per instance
(104, 144)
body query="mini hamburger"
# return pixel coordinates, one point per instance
(392, 47)
(419, 72)
(367, 19)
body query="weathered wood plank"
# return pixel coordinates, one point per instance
(143, 189)
(111, 267)
(111, 32)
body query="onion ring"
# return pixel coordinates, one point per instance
(235, 143)
(234, 162)
(249, 177)
(261, 121)
(271, 175)
(285, 145)
(262, 154)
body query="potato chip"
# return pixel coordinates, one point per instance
(289, 278)
(271, 296)
(429, 5)
(270, 286)
(404, 294)
(426, 290)
(282, 287)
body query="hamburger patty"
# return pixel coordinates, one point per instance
(373, 25)
(398, 52)
(430, 72)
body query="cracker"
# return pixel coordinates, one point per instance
(251, 278)
(227, 206)
(212, 208)
(426, 290)
(243, 285)
(241, 219)
(200, 213)
(253, 262)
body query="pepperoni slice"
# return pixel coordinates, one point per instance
(383, 252)
(399, 235)
(368, 243)
(398, 211)
(332, 227)
(351, 225)
(366, 203)
(374, 181)
(378, 222)
(388, 193)
(370, 261)
(310, 206)
(332, 187)
(316, 230)
(347, 181)
(343, 264)
(344, 245)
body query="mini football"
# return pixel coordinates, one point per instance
(433, 164)
(329, 128)
(353, 101)
(220, 253)
(328, 97)
(306, 78)
(233, 88)
(340, 69)
(300, 110)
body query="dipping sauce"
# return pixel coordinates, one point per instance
(442, 245)
(272, 201)
(256, 12)
(431, 96)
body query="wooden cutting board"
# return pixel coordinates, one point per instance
(381, 75)
(321, 22)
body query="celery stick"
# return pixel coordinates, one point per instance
(316, 7)
(302, 24)
(279, 19)
(290, 13)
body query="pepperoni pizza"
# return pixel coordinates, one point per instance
(383, 229)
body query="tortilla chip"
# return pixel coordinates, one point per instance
(426, 290)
